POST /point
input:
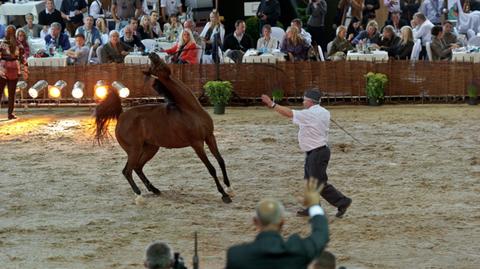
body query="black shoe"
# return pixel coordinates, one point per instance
(302, 212)
(343, 208)
(11, 117)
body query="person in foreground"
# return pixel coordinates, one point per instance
(270, 250)
(158, 255)
(314, 122)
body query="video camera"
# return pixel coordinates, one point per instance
(178, 262)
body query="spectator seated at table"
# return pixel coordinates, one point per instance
(238, 42)
(440, 49)
(32, 30)
(294, 45)
(448, 35)
(22, 42)
(212, 28)
(190, 25)
(157, 30)
(388, 39)
(354, 28)
(184, 51)
(78, 55)
(145, 30)
(56, 38)
(115, 50)
(173, 28)
(340, 45)
(2, 31)
(396, 22)
(132, 40)
(371, 35)
(101, 25)
(49, 16)
(267, 43)
(403, 50)
(90, 33)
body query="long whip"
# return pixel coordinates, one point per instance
(341, 128)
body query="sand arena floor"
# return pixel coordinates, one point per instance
(415, 186)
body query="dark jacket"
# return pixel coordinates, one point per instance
(386, 44)
(72, 5)
(48, 19)
(113, 55)
(342, 45)
(440, 49)
(401, 23)
(135, 41)
(317, 15)
(232, 43)
(269, 250)
(62, 41)
(402, 52)
(370, 13)
(271, 8)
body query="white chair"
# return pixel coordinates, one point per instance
(329, 47)
(149, 44)
(199, 54)
(417, 48)
(278, 33)
(320, 53)
(99, 54)
(429, 51)
(474, 41)
(470, 33)
(91, 59)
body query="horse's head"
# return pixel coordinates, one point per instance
(158, 68)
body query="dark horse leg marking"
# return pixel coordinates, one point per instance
(148, 152)
(127, 172)
(212, 145)
(198, 147)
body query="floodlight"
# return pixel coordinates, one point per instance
(37, 88)
(78, 88)
(123, 91)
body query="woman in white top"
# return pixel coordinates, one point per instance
(173, 28)
(212, 27)
(267, 42)
(103, 29)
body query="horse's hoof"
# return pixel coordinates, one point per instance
(230, 191)
(155, 190)
(226, 199)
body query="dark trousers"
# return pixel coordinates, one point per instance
(318, 35)
(316, 162)
(12, 86)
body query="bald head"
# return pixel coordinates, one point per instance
(269, 211)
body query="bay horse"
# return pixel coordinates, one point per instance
(142, 130)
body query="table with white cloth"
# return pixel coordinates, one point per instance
(11, 9)
(252, 56)
(55, 61)
(134, 58)
(39, 43)
(374, 56)
(464, 56)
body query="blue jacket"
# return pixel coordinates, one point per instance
(62, 41)
(2, 31)
(95, 35)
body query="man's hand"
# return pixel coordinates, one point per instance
(266, 100)
(311, 196)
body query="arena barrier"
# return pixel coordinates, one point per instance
(343, 79)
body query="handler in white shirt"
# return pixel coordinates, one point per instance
(314, 122)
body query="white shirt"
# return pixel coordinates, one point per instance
(314, 124)
(171, 6)
(306, 36)
(95, 9)
(423, 31)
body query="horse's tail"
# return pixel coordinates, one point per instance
(108, 109)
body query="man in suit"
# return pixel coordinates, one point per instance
(269, 250)
(440, 49)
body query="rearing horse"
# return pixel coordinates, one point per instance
(142, 130)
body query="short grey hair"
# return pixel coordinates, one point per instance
(158, 255)
(28, 15)
(270, 211)
(56, 25)
(113, 32)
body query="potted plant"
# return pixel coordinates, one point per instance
(219, 94)
(277, 95)
(375, 88)
(472, 92)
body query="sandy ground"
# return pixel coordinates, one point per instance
(415, 186)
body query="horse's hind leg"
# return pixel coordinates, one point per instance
(212, 145)
(127, 172)
(203, 156)
(148, 152)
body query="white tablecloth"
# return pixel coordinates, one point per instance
(141, 59)
(376, 56)
(39, 43)
(10, 9)
(252, 57)
(57, 61)
(464, 56)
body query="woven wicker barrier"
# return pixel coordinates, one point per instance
(335, 79)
